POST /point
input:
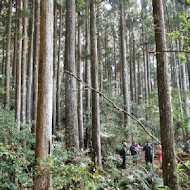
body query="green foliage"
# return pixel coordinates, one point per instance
(182, 58)
(80, 5)
(27, 12)
(183, 174)
(183, 23)
(70, 170)
(16, 156)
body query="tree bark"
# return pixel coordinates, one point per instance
(144, 59)
(24, 65)
(59, 70)
(8, 57)
(30, 68)
(80, 87)
(96, 141)
(134, 71)
(18, 68)
(139, 81)
(88, 81)
(124, 64)
(186, 98)
(35, 63)
(15, 43)
(131, 67)
(55, 62)
(71, 130)
(45, 90)
(166, 120)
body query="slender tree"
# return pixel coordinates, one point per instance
(80, 86)
(15, 42)
(35, 62)
(45, 90)
(96, 141)
(166, 120)
(88, 78)
(24, 63)
(71, 130)
(8, 56)
(18, 66)
(59, 68)
(30, 66)
(55, 66)
(124, 63)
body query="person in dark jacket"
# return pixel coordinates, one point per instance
(134, 152)
(148, 153)
(123, 154)
(187, 147)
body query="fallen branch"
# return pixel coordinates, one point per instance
(122, 110)
(115, 106)
(169, 51)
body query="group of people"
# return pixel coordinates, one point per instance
(135, 152)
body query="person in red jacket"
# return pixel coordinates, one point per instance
(159, 152)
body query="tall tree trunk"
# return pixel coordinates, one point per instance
(8, 57)
(24, 65)
(55, 67)
(3, 61)
(124, 63)
(59, 70)
(139, 81)
(115, 62)
(144, 58)
(15, 42)
(188, 69)
(166, 120)
(18, 68)
(71, 130)
(186, 98)
(88, 81)
(177, 83)
(35, 62)
(148, 68)
(30, 67)
(134, 71)
(45, 90)
(131, 67)
(80, 87)
(96, 141)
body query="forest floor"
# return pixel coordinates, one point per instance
(157, 165)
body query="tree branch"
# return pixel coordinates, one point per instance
(114, 105)
(122, 110)
(170, 51)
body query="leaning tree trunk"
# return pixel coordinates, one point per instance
(8, 56)
(71, 130)
(166, 120)
(18, 67)
(24, 59)
(45, 90)
(96, 141)
(124, 64)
